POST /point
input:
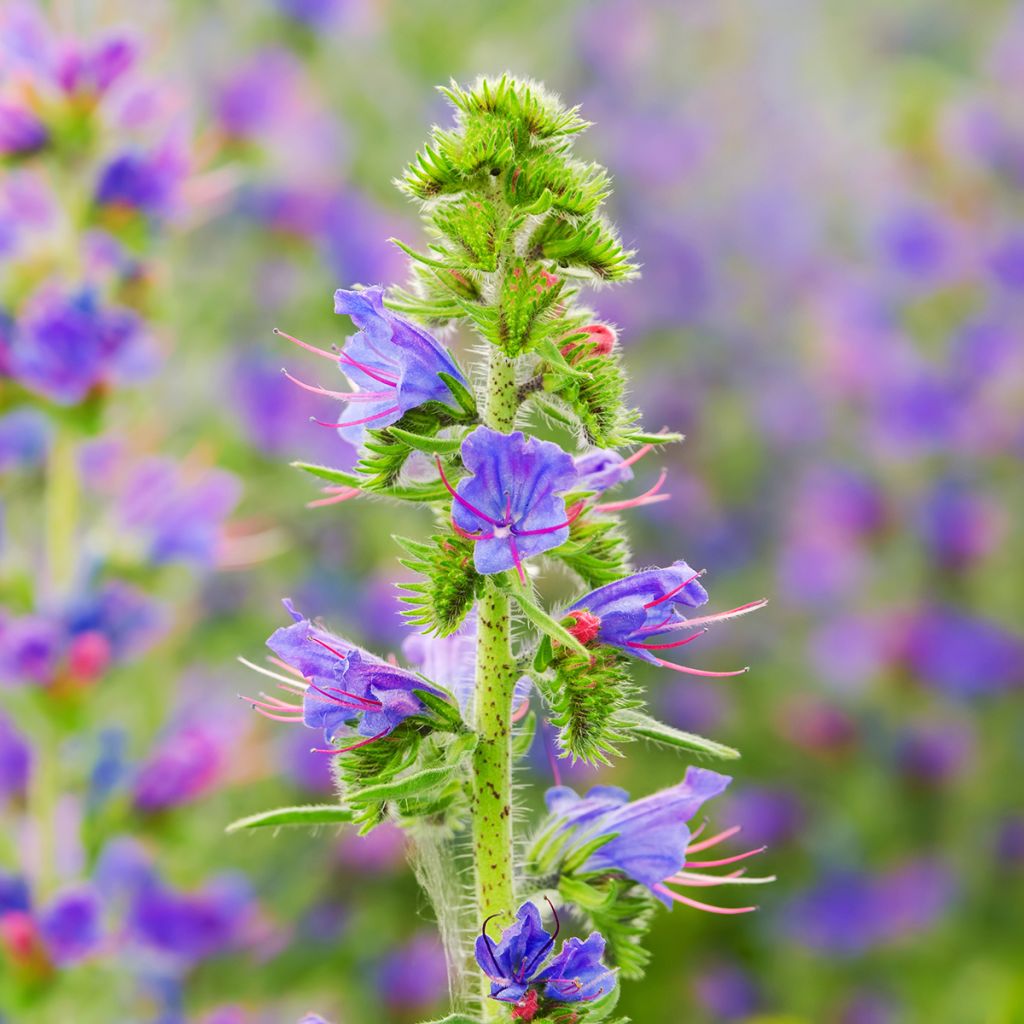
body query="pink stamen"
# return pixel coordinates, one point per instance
(358, 423)
(674, 643)
(516, 559)
(377, 375)
(466, 535)
(724, 860)
(283, 664)
(687, 670)
(347, 396)
(706, 883)
(649, 497)
(462, 501)
(680, 898)
(327, 646)
(339, 495)
(521, 712)
(706, 620)
(274, 717)
(307, 346)
(574, 514)
(345, 750)
(675, 590)
(638, 455)
(713, 841)
(346, 699)
(698, 830)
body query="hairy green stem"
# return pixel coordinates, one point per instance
(495, 682)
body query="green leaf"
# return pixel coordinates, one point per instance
(544, 654)
(642, 437)
(645, 727)
(334, 476)
(460, 393)
(310, 814)
(423, 443)
(445, 711)
(546, 624)
(413, 785)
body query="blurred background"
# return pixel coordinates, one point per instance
(827, 202)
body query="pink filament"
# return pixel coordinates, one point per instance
(687, 670)
(675, 590)
(358, 423)
(638, 455)
(680, 898)
(377, 375)
(674, 643)
(462, 501)
(308, 347)
(516, 559)
(345, 750)
(649, 497)
(327, 647)
(713, 841)
(708, 882)
(337, 496)
(574, 514)
(724, 860)
(705, 620)
(283, 664)
(348, 396)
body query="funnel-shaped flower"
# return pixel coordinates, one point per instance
(391, 364)
(343, 687)
(516, 963)
(511, 505)
(647, 840)
(632, 612)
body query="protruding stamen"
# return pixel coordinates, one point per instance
(266, 671)
(358, 423)
(526, 971)
(327, 646)
(668, 646)
(649, 497)
(336, 496)
(638, 455)
(309, 348)
(680, 898)
(574, 514)
(347, 699)
(517, 561)
(707, 620)
(725, 860)
(687, 670)
(489, 945)
(345, 750)
(713, 840)
(346, 396)
(675, 590)
(461, 500)
(378, 375)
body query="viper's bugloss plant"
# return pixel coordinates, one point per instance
(516, 233)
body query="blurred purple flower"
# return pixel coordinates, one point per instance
(21, 132)
(959, 524)
(24, 439)
(65, 345)
(511, 504)
(186, 763)
(143, 182)
(726, 991)
(30, 649)
(935, 753)
(414, 976)
(848, 913)
(15, 761)
(71, 924)
(1007, 262)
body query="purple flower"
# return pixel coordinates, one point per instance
(71, 924)
(66, 345)
(125, 621)
(958, 654)
(15, 761)
(24, 437)
(727, 991)
(30, 649)
(415, 975)
(21, 132)
(511, 504)
(516, 962)
(601, 470)
(15, 897)
(850, 913)
(144, 182)
(316, 14)
(342, 686)
(634, 611)
(187, 763)
(1007, 262)
(391, 364)
(93, 71)
(180, 519)
(646, 840)
(959, 524)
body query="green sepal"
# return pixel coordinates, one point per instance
(440, 602)
(425, 443)
(461, 394)
(544, 654)
(546, 624)
(333, 476)
(413, 785)
(279, 817)
(445, 714)
(642, 437)
(644, 727)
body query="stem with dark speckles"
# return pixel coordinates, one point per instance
(495, 682)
